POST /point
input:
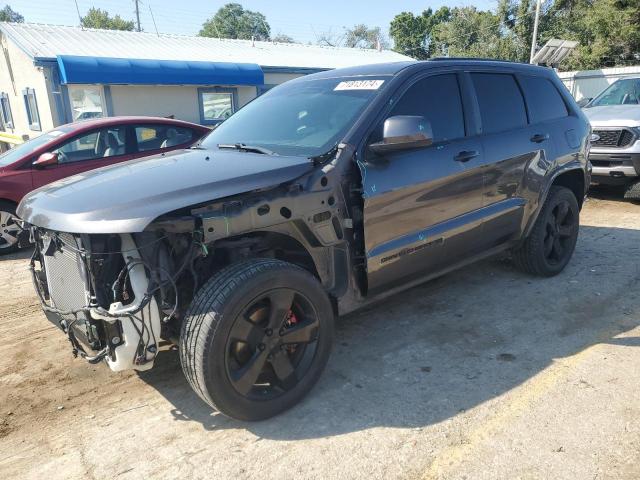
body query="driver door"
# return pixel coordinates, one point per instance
(87, 151)
(420, 205)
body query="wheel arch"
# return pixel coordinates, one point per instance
(573, 180)
(8, 201)
(279, 245)
(571, 177)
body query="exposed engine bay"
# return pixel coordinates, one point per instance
(115, 296)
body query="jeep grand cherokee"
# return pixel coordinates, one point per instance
(328, 192)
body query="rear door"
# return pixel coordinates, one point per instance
(87, 151)
(420, 205)
(512, 146)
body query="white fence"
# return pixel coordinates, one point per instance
(589, 83)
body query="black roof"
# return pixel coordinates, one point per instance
(391, 69)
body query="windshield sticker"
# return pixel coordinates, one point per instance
(359, 85)
(55, 133)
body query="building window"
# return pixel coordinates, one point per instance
(5, 111)
(31, 105)
(87, 101)
(216, 104)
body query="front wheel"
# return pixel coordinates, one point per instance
(256, 338)
(9, 228)
(550, 245)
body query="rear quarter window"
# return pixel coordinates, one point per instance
(500, 101)
(543, 99)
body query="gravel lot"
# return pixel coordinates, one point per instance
(484, 373)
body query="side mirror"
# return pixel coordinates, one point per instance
(404, 132)
(46, 159)
(584, 101)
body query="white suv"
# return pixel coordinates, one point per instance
(615, 142)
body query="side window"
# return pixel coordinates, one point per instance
(107, 142)
(31, 106)
(543, 99)
(500, 101)
(154, 137)
(5, 110)
(436, 98)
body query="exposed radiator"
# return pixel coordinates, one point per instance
(67, 277)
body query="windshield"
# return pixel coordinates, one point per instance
(622, 92)
(20, 151)
(300, 118)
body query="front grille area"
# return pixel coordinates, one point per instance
(66, 277)
(613, 138)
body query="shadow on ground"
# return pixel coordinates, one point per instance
(608, 192)
(447, 346)
(23, 254)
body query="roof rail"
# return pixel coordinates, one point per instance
(475, 59)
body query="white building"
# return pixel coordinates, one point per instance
(51, 75)
(589, 83)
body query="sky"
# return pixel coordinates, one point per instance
(301, 19)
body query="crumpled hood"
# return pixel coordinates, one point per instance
(126, 197)
(613, 115)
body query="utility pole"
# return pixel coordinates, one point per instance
(138, 14)
(534, 39)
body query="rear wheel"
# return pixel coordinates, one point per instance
(9, 228)
(550, 245)
(632, 192)
(256, 338)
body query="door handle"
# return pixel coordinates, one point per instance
(540, 137)
(466, 155)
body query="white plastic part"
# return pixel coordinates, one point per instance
(126, 353)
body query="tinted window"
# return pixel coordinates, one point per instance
(153, 137)
(543, 99)
(500, 101)
(437, 99)
(108, 142)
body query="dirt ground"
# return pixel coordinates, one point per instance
(485, 373)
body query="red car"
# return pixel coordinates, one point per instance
(78, 147)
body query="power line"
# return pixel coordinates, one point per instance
(137, 13)
(154, 21)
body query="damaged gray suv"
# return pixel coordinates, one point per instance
(326, 193)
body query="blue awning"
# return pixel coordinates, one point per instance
(131, 71)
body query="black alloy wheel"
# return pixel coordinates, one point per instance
(560, 229)
(552, 240)
(272, 344)
(256, 338)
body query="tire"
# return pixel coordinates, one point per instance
(245, 316)
(550, 245)
(8, 242)
(632, 192)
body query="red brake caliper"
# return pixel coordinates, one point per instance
(291, 321)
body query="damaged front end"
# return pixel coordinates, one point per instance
(113, 295)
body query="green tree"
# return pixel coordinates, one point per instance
(470, 32)
(283, 38)
(96, 18)
(606, 30)
(233, 21)
(8, 15)
(361, 36)
(413, 35)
